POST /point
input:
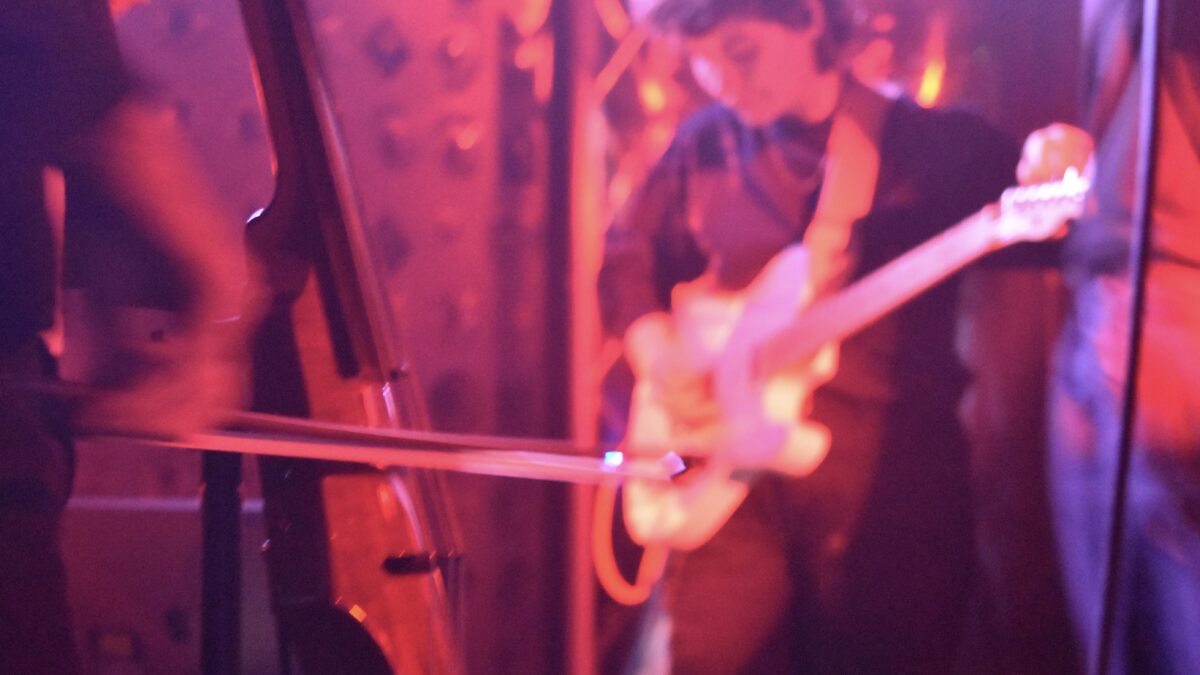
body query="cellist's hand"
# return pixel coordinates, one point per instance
(171, 383)
(1050, 151)
(185, 377)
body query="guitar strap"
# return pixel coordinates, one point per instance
(848, 188)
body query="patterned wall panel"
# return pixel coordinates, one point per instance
(193, 53)
(443, 128)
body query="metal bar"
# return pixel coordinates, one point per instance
(1139, 256)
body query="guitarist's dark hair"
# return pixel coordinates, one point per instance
(693, 18)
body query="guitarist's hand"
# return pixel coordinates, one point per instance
(1050, 151)
(684, 391)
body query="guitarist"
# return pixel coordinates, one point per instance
(865, 564)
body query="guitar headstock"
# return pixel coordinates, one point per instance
(1037, 212)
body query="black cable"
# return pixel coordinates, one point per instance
(1139, 255)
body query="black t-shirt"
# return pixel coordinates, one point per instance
(60, 72)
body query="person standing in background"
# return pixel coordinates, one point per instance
(1157, 615)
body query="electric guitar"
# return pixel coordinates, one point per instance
(766, 347)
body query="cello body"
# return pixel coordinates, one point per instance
(359, 559)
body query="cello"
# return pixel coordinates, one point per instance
(359, 559)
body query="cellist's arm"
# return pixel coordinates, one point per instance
(137, 154)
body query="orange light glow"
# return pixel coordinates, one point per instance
(653, 96)
(358, 613)
(621, 59)
(931, 83)
(527, 16)
(119, 7)
(536, 55)
(933, 77)
(613, 17)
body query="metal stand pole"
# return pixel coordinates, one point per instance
(1140, 245)
(221, 584)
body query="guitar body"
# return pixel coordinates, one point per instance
(761, 425)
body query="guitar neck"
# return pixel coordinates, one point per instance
(835, 317)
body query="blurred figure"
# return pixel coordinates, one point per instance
(1157, 616)
(67, 101)
(866, 564)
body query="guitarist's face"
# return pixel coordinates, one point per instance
(760, 69)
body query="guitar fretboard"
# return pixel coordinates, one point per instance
(835, 317)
